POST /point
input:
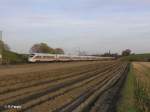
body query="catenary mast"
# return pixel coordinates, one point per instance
(1, 47)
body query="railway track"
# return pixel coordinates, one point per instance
(67, 90)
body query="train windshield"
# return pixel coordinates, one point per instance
(31, 55)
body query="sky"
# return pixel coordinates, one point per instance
(93, 26)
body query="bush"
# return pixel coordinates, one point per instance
(10, 57)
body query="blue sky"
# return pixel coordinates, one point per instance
(94, 26)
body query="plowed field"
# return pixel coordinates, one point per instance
(61, 87)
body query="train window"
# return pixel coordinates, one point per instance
(64, 57)
(46, 57)
(38, 57)
(51, 56)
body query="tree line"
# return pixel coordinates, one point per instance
(44, 48)
(4, 47)
(36, 48)
(125, 52)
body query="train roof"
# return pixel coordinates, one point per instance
(43, 54)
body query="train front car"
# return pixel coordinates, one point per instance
(42, 57)
(31, 58)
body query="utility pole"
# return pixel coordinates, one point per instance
(1, 47)
(109, 52)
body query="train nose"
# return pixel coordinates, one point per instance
(30, 60)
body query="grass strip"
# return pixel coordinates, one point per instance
(126, 103)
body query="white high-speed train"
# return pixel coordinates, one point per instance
(43, 57)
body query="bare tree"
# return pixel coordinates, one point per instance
(126, 52)
(59, 51)
(44, 48)
(41, 48)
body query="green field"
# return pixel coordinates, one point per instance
(137, 57)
